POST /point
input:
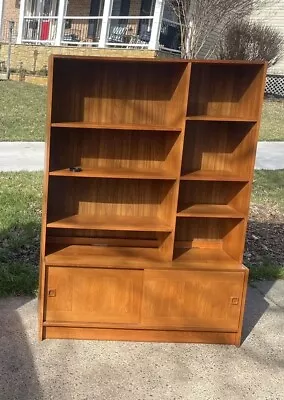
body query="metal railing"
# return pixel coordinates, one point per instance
(123, 31)
(39, 30)
(129, 32)
(6, 36)
(81, 30)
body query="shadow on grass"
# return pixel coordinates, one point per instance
(19, 259)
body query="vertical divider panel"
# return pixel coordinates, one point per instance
(42, 272)
(168, 247)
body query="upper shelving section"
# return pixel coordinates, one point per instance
(225, 91)
(119, 92)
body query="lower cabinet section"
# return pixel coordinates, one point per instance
(117, 300)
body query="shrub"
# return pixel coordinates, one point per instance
(247, 40)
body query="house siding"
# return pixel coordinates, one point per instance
(273, 14)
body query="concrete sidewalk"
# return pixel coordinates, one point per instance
(270, 155)
(93, 370)
(21, 156)
(29, 156)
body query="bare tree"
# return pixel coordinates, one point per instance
(201, 20)
(247, 40)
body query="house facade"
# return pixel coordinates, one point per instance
(139, 24)
(273, 14)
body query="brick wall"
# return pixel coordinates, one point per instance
(25, 54)
(78, 8)
(11, 10)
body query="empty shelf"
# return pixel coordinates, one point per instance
(221, 118)
(110, 222)
(206, 175)
(202, 258)
(209, 210)
(96, 256)
(129, 127)
(131, 173)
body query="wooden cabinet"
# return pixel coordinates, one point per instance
(93, 295)
(194, 300)
(149, 167)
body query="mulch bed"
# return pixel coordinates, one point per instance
(265, 236)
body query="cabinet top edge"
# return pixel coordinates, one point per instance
(155, 60)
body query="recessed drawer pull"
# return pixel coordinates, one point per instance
(235, 301)
(51, 293)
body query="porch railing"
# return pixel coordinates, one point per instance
(39, 30)
(5, 32)
(123, 31)
(81, 30)
(129, 31)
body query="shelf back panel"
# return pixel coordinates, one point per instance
(219, 146)
(93, 149)
(228, 90)
(210, 233)
(119, 92)
(110, 197)
(233, 194)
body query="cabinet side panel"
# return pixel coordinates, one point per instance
(45, 194)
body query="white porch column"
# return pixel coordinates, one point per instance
(105, 22)
(60, 21)
(156, 25)
(21, 21)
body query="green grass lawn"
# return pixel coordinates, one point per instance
(20, 215)
(23, 106)
(272, 123)
(268, 188)
(22, 111)
(20, 210)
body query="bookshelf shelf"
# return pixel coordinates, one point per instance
(121, 173)
(207, 175)
(209, 210)
(219, 119)
(110, 222)
(129, 127)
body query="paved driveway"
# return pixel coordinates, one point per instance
(29, 156)
(93, 370)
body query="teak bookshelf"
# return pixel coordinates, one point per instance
(144, 239)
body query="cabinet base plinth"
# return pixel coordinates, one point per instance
(141, 335)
